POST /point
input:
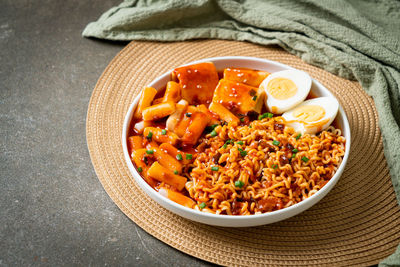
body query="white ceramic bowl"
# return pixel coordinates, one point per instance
(229, 220)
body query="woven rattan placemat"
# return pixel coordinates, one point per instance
(357, 223)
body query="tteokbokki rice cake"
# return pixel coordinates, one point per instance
(236, 141)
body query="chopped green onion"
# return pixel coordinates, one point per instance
(254, 98)
(295, 150)
(202, 205)
(276, 143)
(215, 168)
(227, 142)
(293, 155)
(163, 132)
(252, 92)
(243, 153)
(250, 126)
(179, 157)
(149, 151)
(239, 184)
(188, 114)
(305, 159)
(213, 133)
(176, 172)
(298, 136)
(275, 166)
(239, 142)
(265, 115)
(242, 119)
(140, 169)
(150, 135)
(212, 127)
(189, 156)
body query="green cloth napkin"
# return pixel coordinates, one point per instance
(357, 40)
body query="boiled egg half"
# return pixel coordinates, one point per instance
(285, 89)
(312, 116)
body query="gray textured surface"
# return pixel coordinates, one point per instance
(54, 210)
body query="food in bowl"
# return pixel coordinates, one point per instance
(212, 142)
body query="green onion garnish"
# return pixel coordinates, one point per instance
(176, 172)
(179, 157)
(254, 98)
(189, 156)
(242, 119)
(149, 151)
(295, 150)
(265, 115)
(293, 155)
(275, 166)
(239, 142)
(239, 184)
(215, 168)
(250, 126)
(188, 114)
(305, 159)
(213, 133)
(243, 153)
(202, 205)
(140, 169)
(150, 135)
(298, 136)
(212, 127)
(276, 143)
(227, 143)
(163, 132)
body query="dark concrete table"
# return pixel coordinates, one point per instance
(53, 208)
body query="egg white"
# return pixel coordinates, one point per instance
(329, 104)
(301, 79)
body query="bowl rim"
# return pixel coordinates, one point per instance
(154, 195)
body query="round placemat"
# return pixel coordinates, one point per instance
(357, 223)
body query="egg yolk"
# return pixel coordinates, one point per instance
(282, 88)
(309, 113)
